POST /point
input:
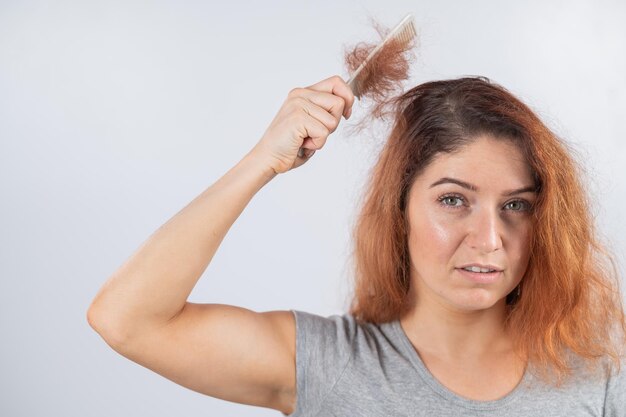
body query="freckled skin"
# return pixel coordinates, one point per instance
(486, 228)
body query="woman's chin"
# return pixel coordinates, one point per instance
(478, 299)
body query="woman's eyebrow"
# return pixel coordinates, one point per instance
(444, 180)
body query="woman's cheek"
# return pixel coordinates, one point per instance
(441, 235)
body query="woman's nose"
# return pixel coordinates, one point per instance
(485, 231)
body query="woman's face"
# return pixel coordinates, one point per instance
(470, 208)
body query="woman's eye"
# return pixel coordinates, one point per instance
(451, 201)
(518, 205)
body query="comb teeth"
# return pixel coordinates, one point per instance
(407, 33)
(404, 32)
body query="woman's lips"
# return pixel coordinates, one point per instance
(480, 277)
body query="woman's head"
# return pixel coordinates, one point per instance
(435, 122)
(563, 280)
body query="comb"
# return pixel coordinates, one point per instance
(404, 32)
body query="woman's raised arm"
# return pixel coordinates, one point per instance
(224, 351)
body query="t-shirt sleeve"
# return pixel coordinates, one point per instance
(323, 350)
(615, 400)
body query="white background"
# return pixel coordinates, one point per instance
(114, 115)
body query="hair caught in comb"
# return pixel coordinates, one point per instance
(381, 79)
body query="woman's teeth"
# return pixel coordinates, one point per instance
(477, 269)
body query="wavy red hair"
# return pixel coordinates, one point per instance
(570, 300)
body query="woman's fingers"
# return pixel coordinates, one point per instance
(314, 132)
(336, 86)
(324, 106)
(305, 120)
(318, 114)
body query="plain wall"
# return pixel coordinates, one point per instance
(114, 115)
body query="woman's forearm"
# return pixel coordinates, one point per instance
(153, 285)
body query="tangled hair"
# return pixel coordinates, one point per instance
(381, 79)
(570, 304)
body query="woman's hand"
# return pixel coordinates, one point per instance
(305, 120)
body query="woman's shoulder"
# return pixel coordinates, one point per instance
(339, 338)
(341, 361)
(609, 378)
(615, 399)
(339, 326)
(605, 376)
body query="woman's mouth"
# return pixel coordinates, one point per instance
(480, 275)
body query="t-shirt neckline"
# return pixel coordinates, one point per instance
(443, 391)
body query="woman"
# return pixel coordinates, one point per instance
(480, 288)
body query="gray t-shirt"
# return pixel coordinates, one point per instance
(344, 368)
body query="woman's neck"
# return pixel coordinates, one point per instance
(455, 334)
